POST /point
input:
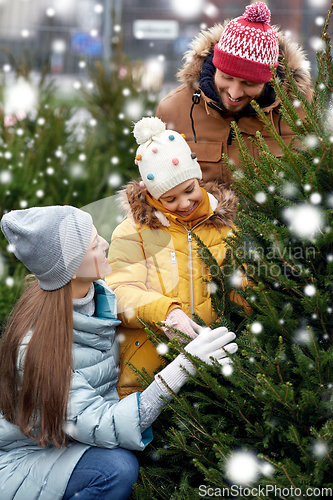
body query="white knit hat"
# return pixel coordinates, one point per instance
(163, 157)
(50, 241)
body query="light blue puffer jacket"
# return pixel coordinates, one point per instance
(96, 417)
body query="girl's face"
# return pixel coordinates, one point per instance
(183, 199)
(94, 264)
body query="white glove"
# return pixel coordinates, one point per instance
(213, 344)
(209, 344)
(179, 320)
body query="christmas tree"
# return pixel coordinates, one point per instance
(264, 428)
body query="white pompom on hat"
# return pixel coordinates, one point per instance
(163, 157)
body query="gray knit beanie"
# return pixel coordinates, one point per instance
(50, 241)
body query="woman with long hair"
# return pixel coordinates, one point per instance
(64, 433)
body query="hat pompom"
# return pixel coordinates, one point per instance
(147, 128)
(257, 13)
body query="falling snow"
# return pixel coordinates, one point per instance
(304, 220)
(21, 97)
(256, 327)
(242, 467)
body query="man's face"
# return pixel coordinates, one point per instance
(236, 93)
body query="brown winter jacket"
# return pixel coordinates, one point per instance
(211, 128)
(156, 268)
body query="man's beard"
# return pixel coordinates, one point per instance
(227, 113)
(235, 114)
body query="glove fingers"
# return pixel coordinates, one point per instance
(220, 341)
(221, 353)
(221, 330)
(197, 328)
(225, 361)
(225, 337)
(231, 348)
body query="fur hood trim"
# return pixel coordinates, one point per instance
(203, 45)
(132, 200)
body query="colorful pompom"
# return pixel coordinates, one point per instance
(193, 156)
(138, 157)
(171, 137)
(150, 177)
(183, 136)
(142, 184)
(257, 13)
(154, 150)
(175, 161)
(136, 162)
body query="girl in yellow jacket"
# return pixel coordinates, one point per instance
(157, 273)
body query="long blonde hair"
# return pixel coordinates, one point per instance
(37, 402)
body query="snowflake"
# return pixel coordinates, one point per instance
(115, 180)
(20, 98)
(50, 12)
(134, 109)
(315, 198)
(77, 171)
(319, 448)
(9, 281)
(304, 220)
(187, 8)
(303, 336)
(162, 349)
(211, 10)
(311, 141)
(98, 8)
(260, 197)
(5, 177)
(316, 43)
(310, 290)
(227, 369)
(236, 279)
(256, 327)
(242, 467)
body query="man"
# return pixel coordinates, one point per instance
(225, 68)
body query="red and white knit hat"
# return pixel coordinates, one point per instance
(248, 46)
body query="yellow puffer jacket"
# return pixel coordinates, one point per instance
(156, 268)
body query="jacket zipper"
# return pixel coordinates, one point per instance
(189, 239)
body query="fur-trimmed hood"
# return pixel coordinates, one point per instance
(133, 201)
(203, 45)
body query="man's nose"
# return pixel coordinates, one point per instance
(235, 90)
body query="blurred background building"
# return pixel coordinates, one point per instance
(72, 33)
